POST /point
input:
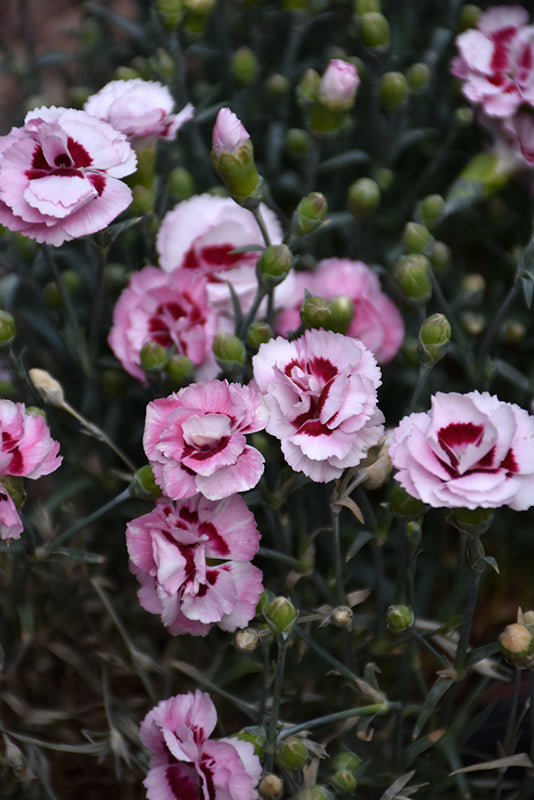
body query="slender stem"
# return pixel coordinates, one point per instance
(98, 434)
(341, 668)
(274, 718)
(424, 372)
(496, 321)
(79, 526)
(258, 216)
(277, 556)
(508, 744)
(360, 711)
(96, 320)
(338, 562)
(467, 621)
(260, 294)
(445, 664)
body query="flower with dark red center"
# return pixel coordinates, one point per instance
(496, 61)
(185, 764)
(321, 392)
(170, 309)
(469, 451)
(192, 560)
(195, 440)
(59, 175)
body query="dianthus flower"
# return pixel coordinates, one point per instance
(26, 450)
(469, 451)
(186, 764)
(496, 61)
(195, 440)
(201, 234)
(377, 320)
(321, 390)
(59, 175)
(140, 109)
(168, 308)
(192, 560)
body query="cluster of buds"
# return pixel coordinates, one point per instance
(329, 98)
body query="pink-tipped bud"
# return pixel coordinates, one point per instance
(338, 85)
(232, 156)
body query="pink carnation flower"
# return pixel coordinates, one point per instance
(186, 764)
(321, 391)
(377, 320)
(140, 109)
(59, 175)
(195, 440)
(469, 451)
(496, 61)
(168, 308)
(200, 234)
(192, 561)
(338, 85)
(229, 133)
(26, 450)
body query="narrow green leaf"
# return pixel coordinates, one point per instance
(434, 696)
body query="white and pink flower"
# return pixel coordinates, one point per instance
(195, 440)
(186, 764)
(496, 61)
(469, 451)
(338, 85)
(140, 109)
(229, 133)
(321, 390)
(377, 320)
(193, 562)
(201, 235)
(170, 309)
(60, 175)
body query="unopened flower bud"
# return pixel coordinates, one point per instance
(374, 30)
(179, 369)
(418, 76)
(7, 328)
(145, 483)
(309, 214)
(399, 618)
(271, 787)
(528, 620)
(14, 485)
(232, 157)
(254, 735)
(315, 312)
(473, 287)
(365, 6)
(281, 615)
(277, 85)
(440, 256)
(343, 781)
(338, 85)
(143, 200)
(181, 183)
(292, 753)
(473, 323)
(434, 338)
(517, 645)
(469, 16)
(314, 793)
(274, 264)
(464, 116)
(474, 521)
(308, 86)
(384, 177)
(513, 331)
(298, 141)
(393, 90)
(346, 760)
(247, 640)
(379, 472)
(244, 65)
(259, 333)
(342, 312)
(48, 388)
(363, 198)
(403, 505)
(414, 532)
(431, 208)
(197, 13)
(153, 357)
(171, 11)
(416, 237)
(412, 276)
(228, 349)
(341, 617)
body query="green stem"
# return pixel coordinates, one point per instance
(467, 621)
(258, 216)
(338, 562)
(496, 321)
(360, 711)
(330, 659)
(424, 372)
(274, 718)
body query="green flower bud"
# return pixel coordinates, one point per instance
(314, 793)
(126, 73)
(315, 312)
(469, 16)
(228, 349)
(473, 323)
(196, 16)
(374, 29)
(473, 288)
(431, 208)
(464, 116)
(413, 277)
(170, 11)
(274, 264)
(528, 620)
(153, 357)
(277, 85)
(247, 640)
(179, 369)
(281, 615)
(309, 214)
(474, 521)
(232, 157)
(384, 177)
(145, 483)
(292, 753)
(440, 256)
(434, 338)
(343, 781)
(298, 141)
(393, 90)
(181, 183)
(399, 618)
(143, 200)
(513, 331)
(342, 312)
(363, 198)
(244, 65)
(7, 328)
(258, 334)
(416, 238)
(271, 787)
(414, 532)
(365, 6)
(346, 760)
(255, 736)
(418, 76)
(403, 505)
(308, 86)
(517, 645)
(14, 485)
(410, 351)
